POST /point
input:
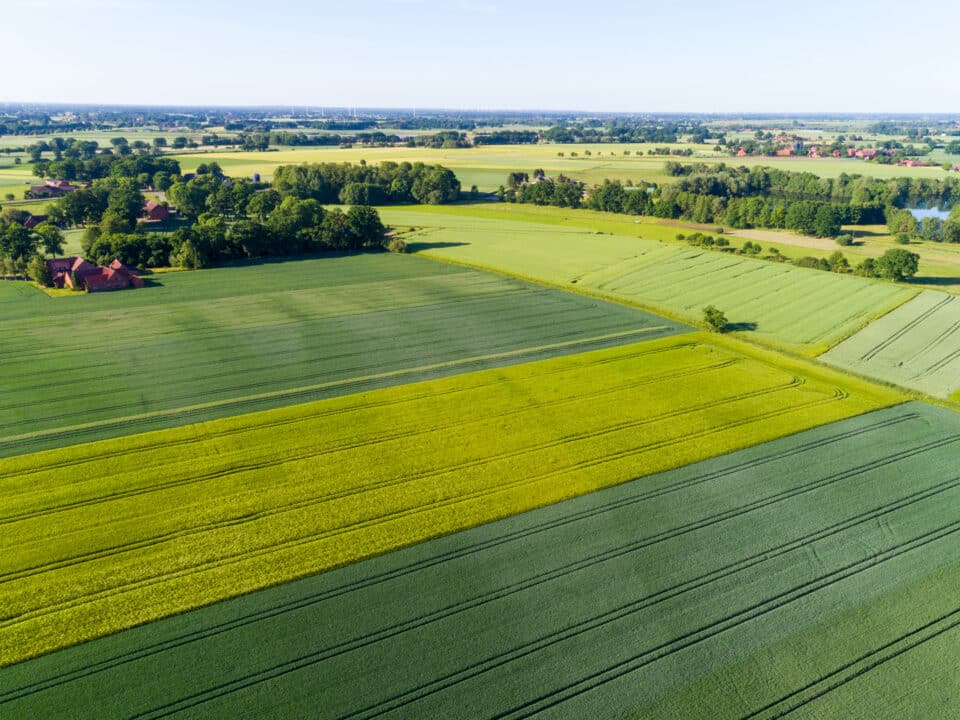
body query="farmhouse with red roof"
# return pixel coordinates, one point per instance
(154, 212)
(51, 188)
(80, 274)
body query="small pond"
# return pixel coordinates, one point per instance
(921, 213)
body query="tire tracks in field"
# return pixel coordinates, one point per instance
(509, 537)
(716, 628)
(903, 330)
(213, 331)
(504, 658)
(361, 381)
(862, 665)
(343, 492)
(415, 349)
(352, 444)
(448, 503)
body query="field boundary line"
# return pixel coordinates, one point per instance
(354, 444)
(462, 552)
(445, 503)
(321, 386)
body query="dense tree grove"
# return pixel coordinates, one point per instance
(739, 182)
(84, 160)
(223, 218)
(395, 182)
(764, 197)
(20, 245)
(293, 227)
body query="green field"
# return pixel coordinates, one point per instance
(803, 310)
(213, 343)
(916, 346)
(488, 166)
(811, 576)
(107, 535)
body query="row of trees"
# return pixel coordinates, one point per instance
(895, 264)
(819, 218)
(727, 181)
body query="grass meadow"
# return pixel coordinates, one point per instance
(803, 310)
(108, 535)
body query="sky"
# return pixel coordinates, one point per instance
(640, 56)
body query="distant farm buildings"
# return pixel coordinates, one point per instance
(50, 189)
(81, 274)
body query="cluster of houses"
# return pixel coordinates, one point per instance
(81, 274)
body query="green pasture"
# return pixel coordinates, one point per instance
(197, 345)
(110, 534)
(15, 179)
(916, 346)
(813, 576)
(803, 310)
(488, 166)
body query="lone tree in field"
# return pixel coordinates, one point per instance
(897, 264)
(715, 319)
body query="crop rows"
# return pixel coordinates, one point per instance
(126, 368)
(804, 310)
(789, 570)
(126, 530)
(916, 346)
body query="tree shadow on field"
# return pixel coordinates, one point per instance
(939, 281)
(418, 246)
(741, 327)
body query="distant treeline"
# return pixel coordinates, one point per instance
(756, 197)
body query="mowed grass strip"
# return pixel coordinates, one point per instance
(802, 310)
(106, 535)
(916, 346)
(235, 340)
(813, 575)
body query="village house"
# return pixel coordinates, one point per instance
(80, 274)
(50, 189)
(154, 212)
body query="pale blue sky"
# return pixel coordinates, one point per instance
(739, 56)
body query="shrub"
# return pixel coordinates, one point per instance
(844, 240)
(397, 245)
(714, 319)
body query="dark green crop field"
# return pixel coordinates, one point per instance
(811, 576)
(207, 344)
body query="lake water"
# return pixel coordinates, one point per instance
(921, 213)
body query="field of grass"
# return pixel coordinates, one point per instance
(811, 576)
(916, 346)
(107, 535)
(206, 344)
(15, 179)
(488, 166)
(803, 310)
